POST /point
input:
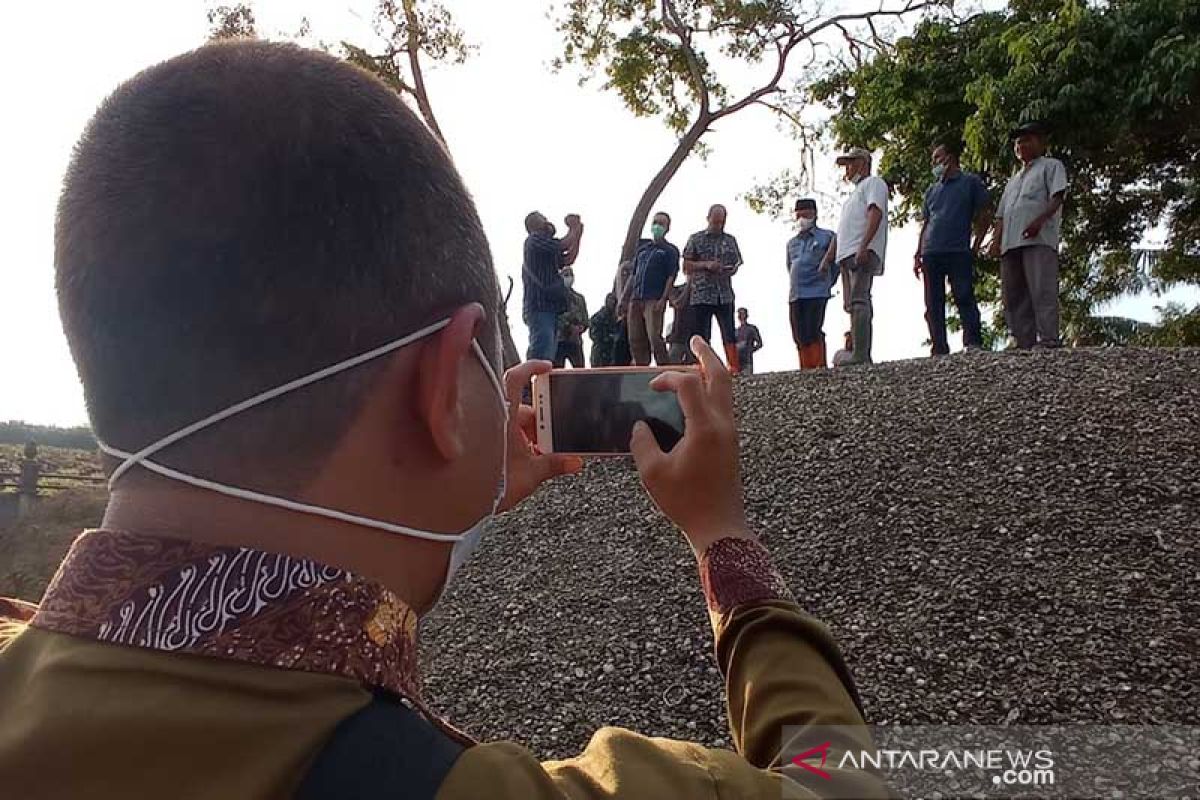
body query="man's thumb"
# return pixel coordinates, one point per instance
(643, 446)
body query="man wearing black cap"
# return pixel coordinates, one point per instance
(1026, 238)
(809, 254)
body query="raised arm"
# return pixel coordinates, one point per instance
(570, 243)
(782, 669)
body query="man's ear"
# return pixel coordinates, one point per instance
(438, 372)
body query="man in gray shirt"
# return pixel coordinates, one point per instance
(1026, 238)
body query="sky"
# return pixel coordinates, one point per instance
(523, 137)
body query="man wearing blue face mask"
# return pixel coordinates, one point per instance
(284, 318)
(954, 207)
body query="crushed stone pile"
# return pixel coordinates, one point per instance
(993, 539)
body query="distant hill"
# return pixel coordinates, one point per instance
(19, 432)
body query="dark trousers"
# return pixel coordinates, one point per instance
(704, 316)
(808, 320)
(958, 268)
(569, 351)
(621, 355)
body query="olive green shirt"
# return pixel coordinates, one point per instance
(101, 703)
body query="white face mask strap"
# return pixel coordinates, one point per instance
(140, 458)
(141, 455)
(283, 502)
(491, 373)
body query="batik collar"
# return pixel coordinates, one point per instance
(233, 603)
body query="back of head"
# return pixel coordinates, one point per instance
(242, 215)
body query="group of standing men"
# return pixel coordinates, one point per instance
(630, 327)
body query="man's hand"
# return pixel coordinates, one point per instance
(528, 468)
(861, 257)
(698, 484)
(660, 304)
(578, 330)
(1033, 229)
(573, 221)
(993, 249)
(918, 265)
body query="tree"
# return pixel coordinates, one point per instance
(231, 22)
(666, 58)
(1118, 83)
(407, 29)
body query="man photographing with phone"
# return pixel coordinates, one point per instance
(546, 294)
(297, 395)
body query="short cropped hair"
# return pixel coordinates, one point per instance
(242, 215)
(662, 214)
(952, 146)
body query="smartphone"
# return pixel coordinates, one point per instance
(591, 412)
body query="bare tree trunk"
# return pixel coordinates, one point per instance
(510, 354)
(414, 63)
(658, 183)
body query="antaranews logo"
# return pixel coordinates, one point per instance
(823, 751)
(1011, 767)
(1047, 761)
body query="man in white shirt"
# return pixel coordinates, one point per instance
(861, 244)
(1026, 237)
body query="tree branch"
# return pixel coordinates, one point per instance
(673, 24)
(801, 35)
(783, 112)
(414, 63)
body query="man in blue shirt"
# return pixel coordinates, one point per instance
(945, 247)
(655, 266)
(545, 295)
(812, 271)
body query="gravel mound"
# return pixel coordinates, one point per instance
(993, 538)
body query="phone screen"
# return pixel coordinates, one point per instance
(594, 412)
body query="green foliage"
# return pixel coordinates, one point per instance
(1177, 327)
(231, 22)
(673, 59)
(657, 56)
(1117, 83)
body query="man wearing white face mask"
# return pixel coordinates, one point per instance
(809, 255)
(861, 245)
(572, 324)
(288, 345)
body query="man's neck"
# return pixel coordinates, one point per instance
(951, 173)
(210, 518)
